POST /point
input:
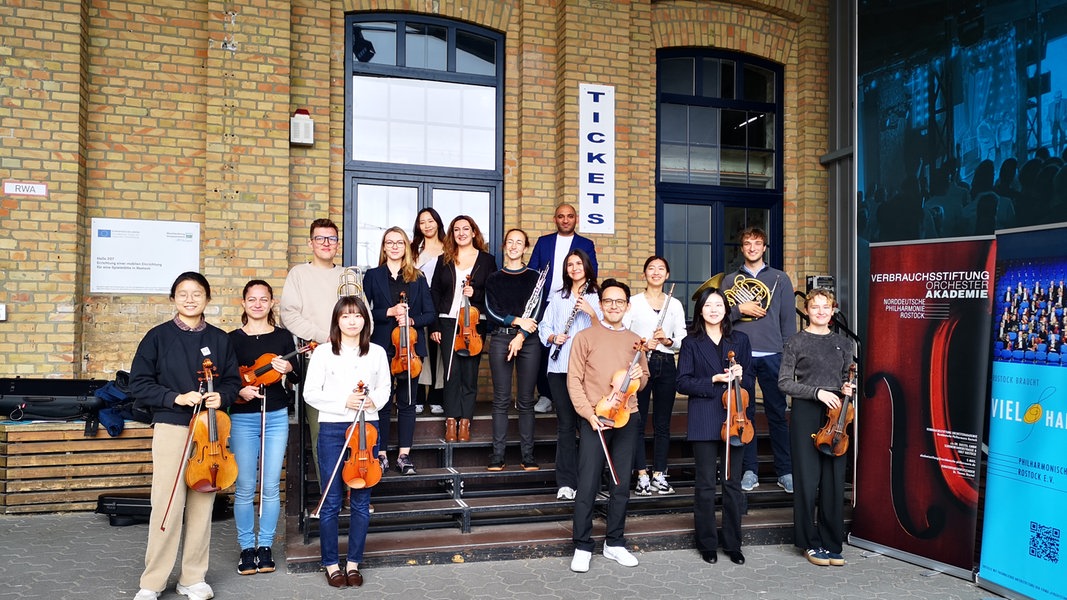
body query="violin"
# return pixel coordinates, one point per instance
(468, 340)
(262, 373)
(361, 467)
(211, 466)
(832, 438)
(613, 410)
(404, 358)
(736, 428)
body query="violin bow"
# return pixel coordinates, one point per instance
(407, 348)
(607, 456)
(340, 459)
(182, 458)
(729, 389)
(855, 429)
(262, 441)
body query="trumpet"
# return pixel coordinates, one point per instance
(350, 283)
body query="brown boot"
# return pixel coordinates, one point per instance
(450, 430)
(464, 430)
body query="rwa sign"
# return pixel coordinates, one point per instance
(24, 188)
(596, 150)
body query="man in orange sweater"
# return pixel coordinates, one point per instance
(599, 353)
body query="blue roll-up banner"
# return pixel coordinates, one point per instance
(1025, 514)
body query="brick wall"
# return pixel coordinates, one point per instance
(130, 110)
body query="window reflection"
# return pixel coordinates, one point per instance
(426, 46)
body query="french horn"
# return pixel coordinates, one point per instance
(749, 289)
(350, 283)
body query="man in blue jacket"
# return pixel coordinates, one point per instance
(550, 250)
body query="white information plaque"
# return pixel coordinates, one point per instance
(130, 256)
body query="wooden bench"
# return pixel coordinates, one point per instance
(53, 467)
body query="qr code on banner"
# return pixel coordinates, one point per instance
(1044, 542)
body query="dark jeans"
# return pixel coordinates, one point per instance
(405, 413)
(525, 365)
(708, 458)
(661, 390)
(331, 443)
(766, 368)
(591, 462)
(430, 394)
(461, 386)
(566, 430)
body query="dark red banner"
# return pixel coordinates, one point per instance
(926, 373)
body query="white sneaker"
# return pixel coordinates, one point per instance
(543, 405)
(643, 487)
(565, 493)
(659, 483)
(418, 409)
(437, 409)
(144, 594)
(620, 555)
(197, 591)
(580, 562)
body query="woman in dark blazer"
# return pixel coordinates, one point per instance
(465, 255)
(396, 272)
(703, 373)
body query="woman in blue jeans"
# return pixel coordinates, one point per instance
(332, 385)
(255, 412)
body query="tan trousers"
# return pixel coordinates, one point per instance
(168, 441)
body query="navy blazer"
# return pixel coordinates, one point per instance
(698, 360)
(420, 308)
(544, 253)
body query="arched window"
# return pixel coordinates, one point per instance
(719, 166)
(423, 126)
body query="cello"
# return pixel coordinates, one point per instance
(211, 466)
(832, 438)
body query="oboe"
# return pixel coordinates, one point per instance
(570, 320)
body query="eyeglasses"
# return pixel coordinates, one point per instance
(322, 240)
(187, 296)
(614, 302)
(393, 243)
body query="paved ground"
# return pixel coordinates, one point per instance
(80, 556)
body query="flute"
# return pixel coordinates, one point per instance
(570, 320)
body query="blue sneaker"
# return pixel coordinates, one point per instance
(835, 558)
(817, 556)
(786, 483)
(749, 481)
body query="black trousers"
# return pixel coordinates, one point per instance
(818, 494)
(660, 393)
(591, 461)
(710, 460)
(405, 413)
(461, 386)
(566, 430)
(524, 365)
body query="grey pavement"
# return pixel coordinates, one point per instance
(80, 556)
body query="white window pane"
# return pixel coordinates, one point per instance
(378, 208)
(450, 203)
(372, 135)
(410, 108)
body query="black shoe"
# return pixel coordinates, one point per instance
(263, 557)
(247, 564)
(736, 557)
(404, 465)
(496, 463)
(529, 464)
(709, 556)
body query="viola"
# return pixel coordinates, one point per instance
(613, 410)
(262, 373)
(832, 438)
(211, 466)
(361, 467)
(736, 428)
(404, 358)
(468, 341)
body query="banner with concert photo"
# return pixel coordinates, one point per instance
(1026, 475)
(924, 388)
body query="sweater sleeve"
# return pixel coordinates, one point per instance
(576, 377)
(787, 378)
(144, 382)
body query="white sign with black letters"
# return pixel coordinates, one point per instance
(596, 164)
(131, 256)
